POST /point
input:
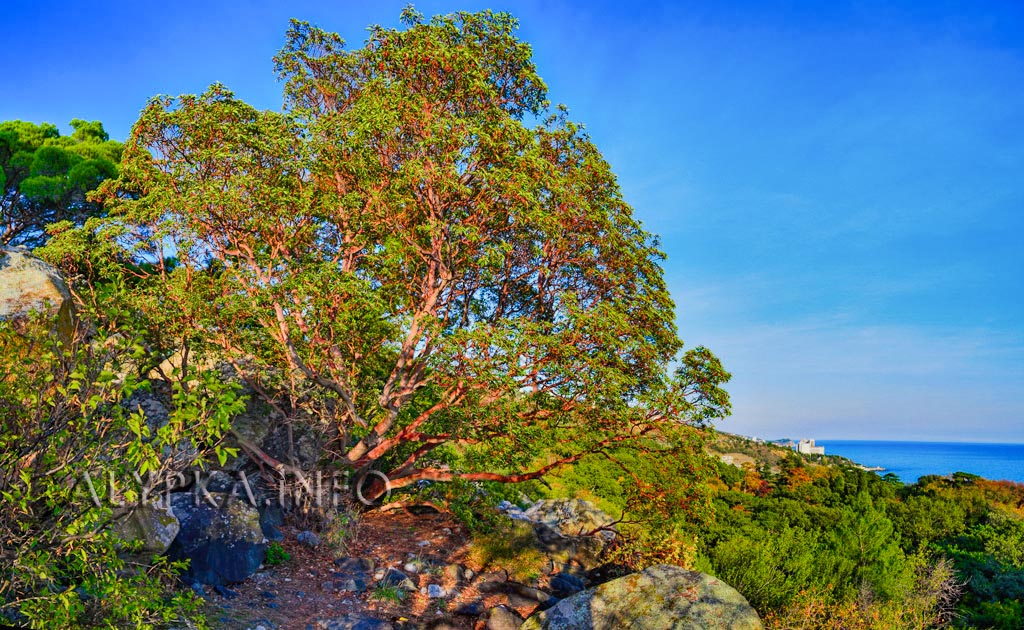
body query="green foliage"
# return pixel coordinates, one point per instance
(384, 593)
(276, 555)
(990, 556)
(837, 547)
(65, 430)
(46, 178)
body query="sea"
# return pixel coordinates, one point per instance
(910, 460)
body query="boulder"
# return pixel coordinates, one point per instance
(396, 579)
(570, 517)
(152, 524)
(151, 404)
(570, 532)
(502, 618)
(661, 597)
(224, 544)
(28, 284)
(308, 538)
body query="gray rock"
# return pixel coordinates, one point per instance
(152, 524)
(223, 544)
(569, 532)
(503, 618)
(397, 579)
(306, 446)
(570, 517)
(349, 564)
(662, 597)
(152, 408)
(471, 609)
(351, 585)
(352, 621)
(353, 574)
(28, 284)
(530, 593)
(271, 519)
(308, 538)
(435, 591)
(565, 584)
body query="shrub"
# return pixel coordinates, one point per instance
(63, 424)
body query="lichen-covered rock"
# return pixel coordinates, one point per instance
(223, 544)
(28, 284)
(574, 533)
(502, 618)
(662, 597)
(152, 524)
(570, 517)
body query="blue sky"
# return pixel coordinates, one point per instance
(838, 186)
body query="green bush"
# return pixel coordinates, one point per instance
(62, 422)
(276, 555)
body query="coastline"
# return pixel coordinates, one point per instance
(911, 460)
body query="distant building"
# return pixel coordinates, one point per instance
(807, 447)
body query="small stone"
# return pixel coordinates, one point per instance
(396, 578)
(268, 595)
(351, 585)
(423, 543)
(452, 573)
(354, 565)
(529, 592)
(435, 591)
(308, 538)
(410, 567)
(471, 609)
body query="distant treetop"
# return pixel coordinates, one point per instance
(46, 177)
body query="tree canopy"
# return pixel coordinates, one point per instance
(421, 256)
(45, 177)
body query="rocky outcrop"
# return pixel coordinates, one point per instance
(224, 544)
(27, 284)
(572, 532)
(662, 597)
